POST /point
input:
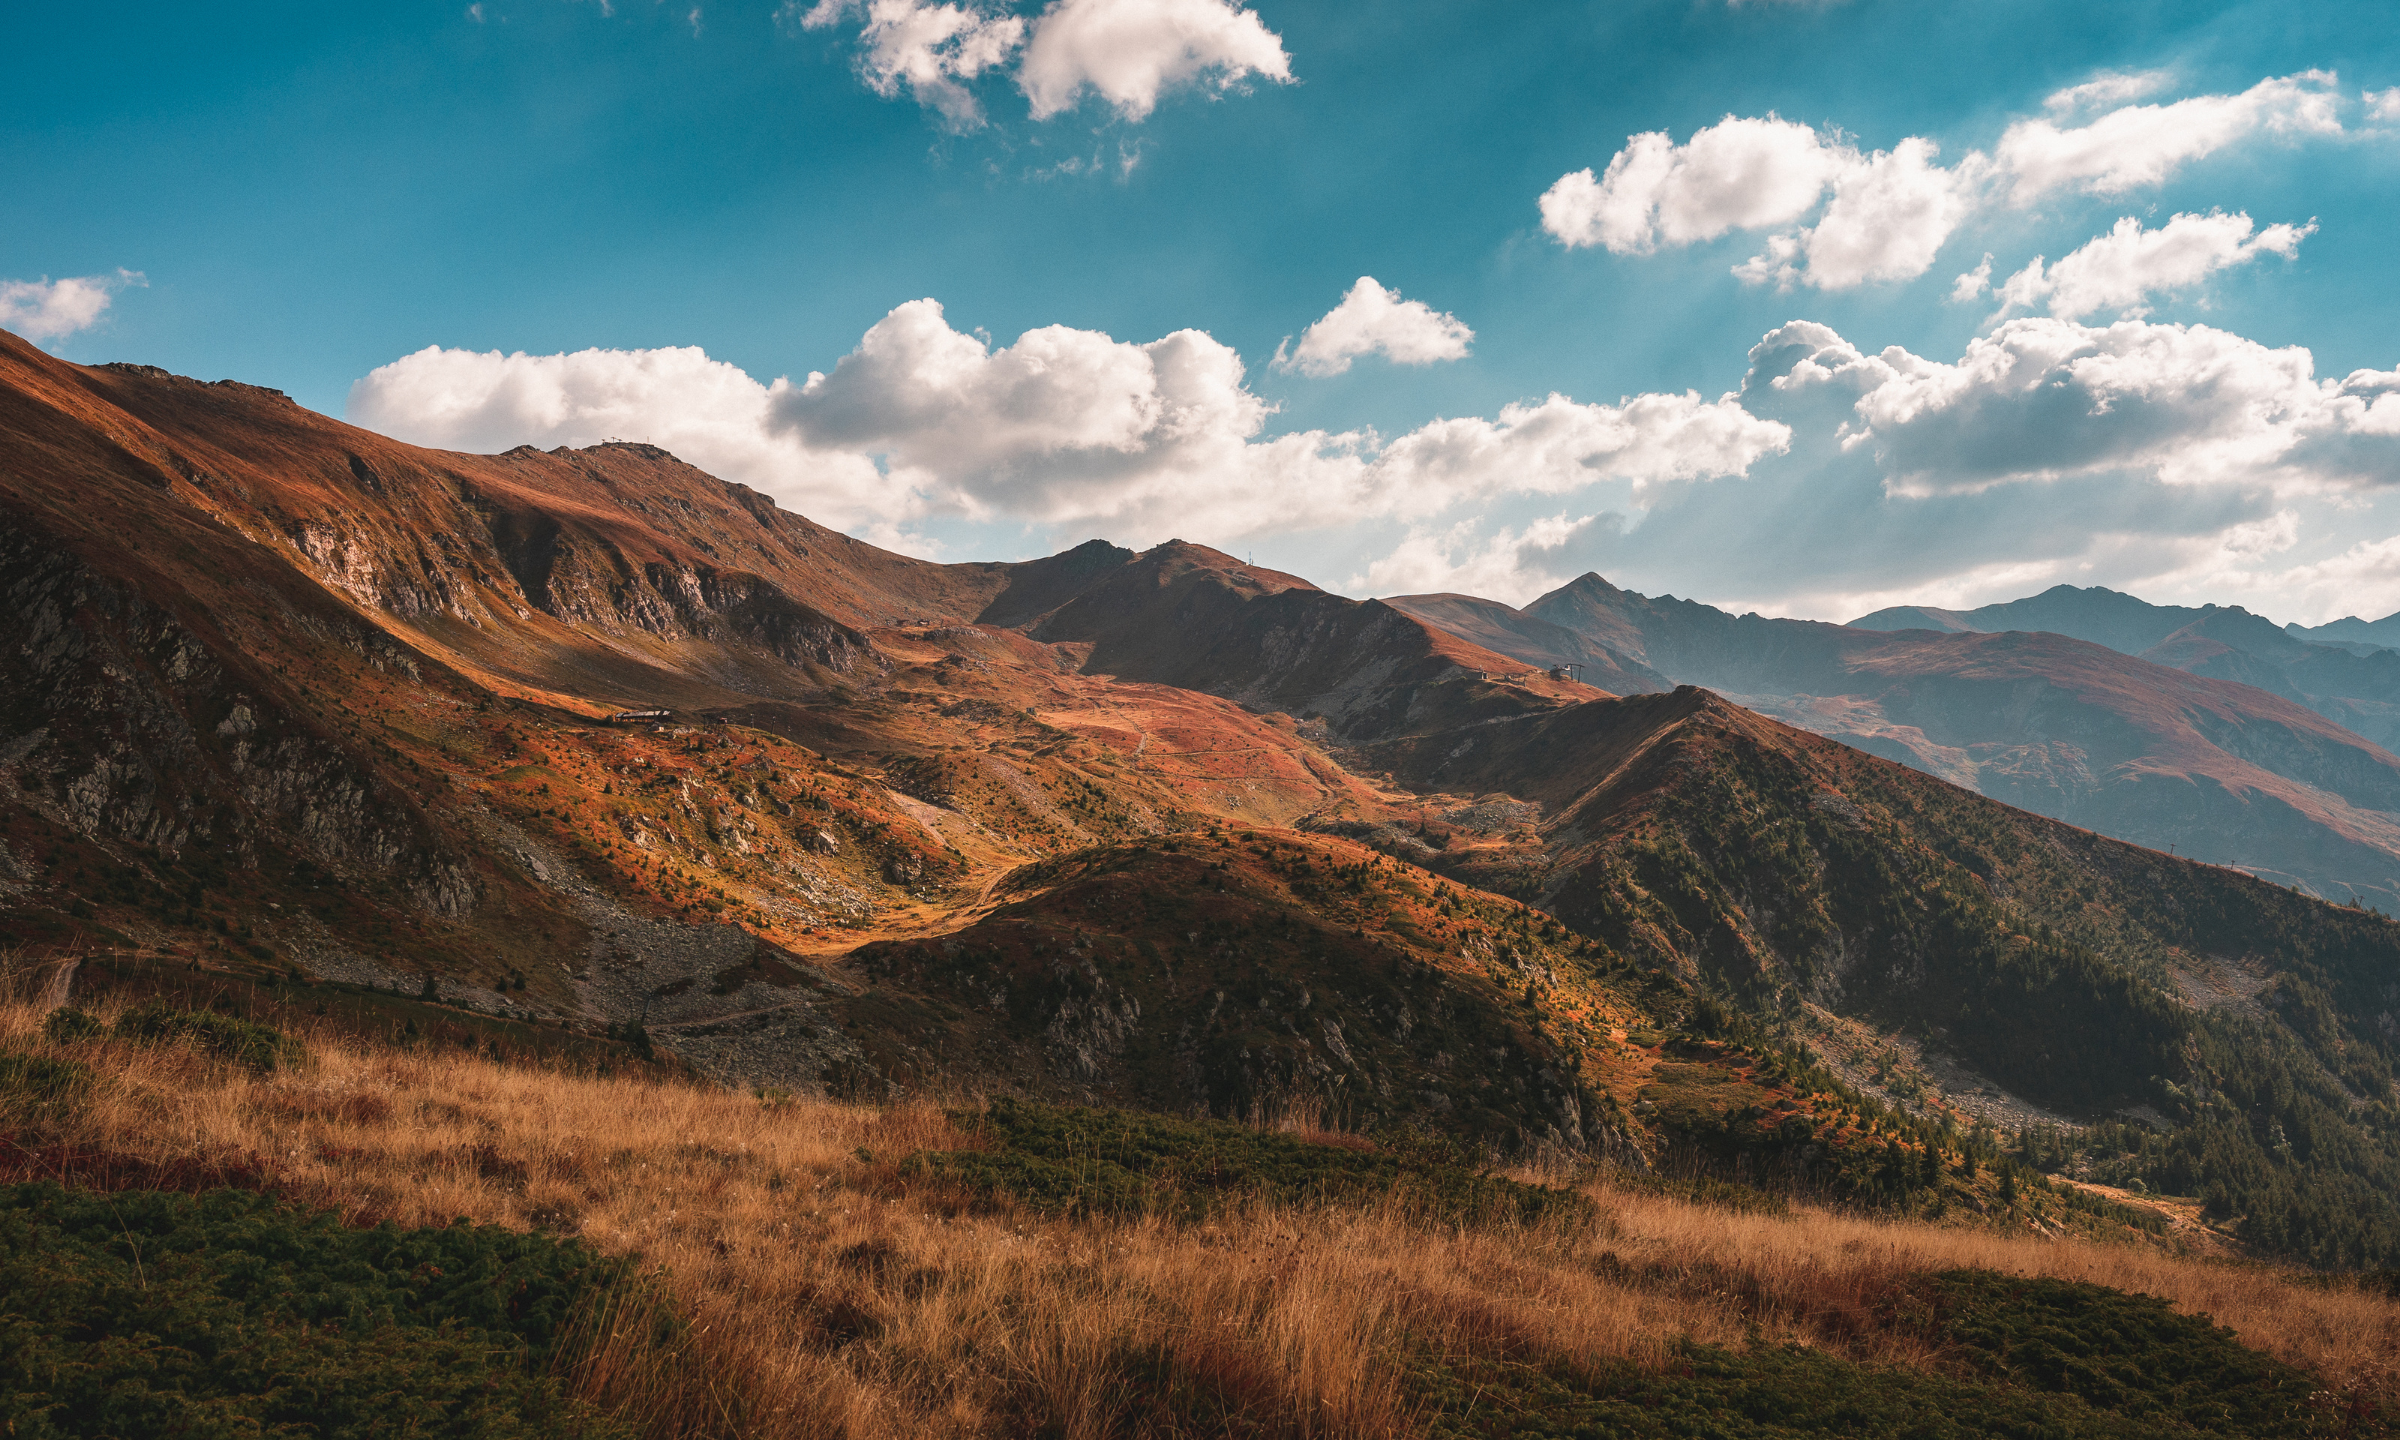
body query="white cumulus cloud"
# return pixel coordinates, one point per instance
(1559, 445)
(1063, 423)
(1890, 210)
(2123, 268)
(708, 412)
(1512, 564)
(1889, 216)
(2044, 399)
(1973, 283)
(1738, 174)
(1129, 52)
(928, 48)
(1062, 426)
(1132, 51)
(2383, 104)
(1843, 217)
(1374, 321)
(47, 309)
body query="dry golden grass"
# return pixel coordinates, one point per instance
(828, 1298)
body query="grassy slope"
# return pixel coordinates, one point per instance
(830, 1283)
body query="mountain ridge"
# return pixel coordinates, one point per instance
(2335, 669)
(2165, 755)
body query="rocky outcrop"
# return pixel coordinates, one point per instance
(122, 724)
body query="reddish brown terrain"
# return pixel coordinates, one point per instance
(353, 697)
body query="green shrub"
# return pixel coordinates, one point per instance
(1706, 1190)
(2030, 1358)
(229, 1314)
(67, 1025)
(246, 1042)
(2131, 1355)
(35, 1087)
(1067, 1159)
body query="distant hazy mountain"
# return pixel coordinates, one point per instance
(2204, 742)
(2346, 670)
(2350, 630)
(2102, 616)
(2117, 620)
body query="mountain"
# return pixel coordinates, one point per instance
(1915, 931)
(2339, 670)
(286, 696)
(295, 708)
(2115, 619)
(2350, 630)
(2167, 755)
(2105, 617)
(1512, 632)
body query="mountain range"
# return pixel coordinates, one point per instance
(588, 738)
(2134, 720)
(2128, 623)
(2347, 670)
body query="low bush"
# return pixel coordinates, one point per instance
(2025, 1357)
(67, 1025)
(36, 1087)
(1118, 1163)
(1704, 1189)
(228, 1314)
(246, 1042)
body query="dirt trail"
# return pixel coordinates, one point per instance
(2182, 1217)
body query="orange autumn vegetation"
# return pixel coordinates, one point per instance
(830, 1294)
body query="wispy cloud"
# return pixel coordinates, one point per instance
(2110, 88)
(47, 309)
(2136, 146)
(2124, 268)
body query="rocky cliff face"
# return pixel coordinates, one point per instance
(122, 722)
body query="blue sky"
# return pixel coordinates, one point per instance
(562, 200)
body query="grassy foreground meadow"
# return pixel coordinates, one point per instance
(783, 1266)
